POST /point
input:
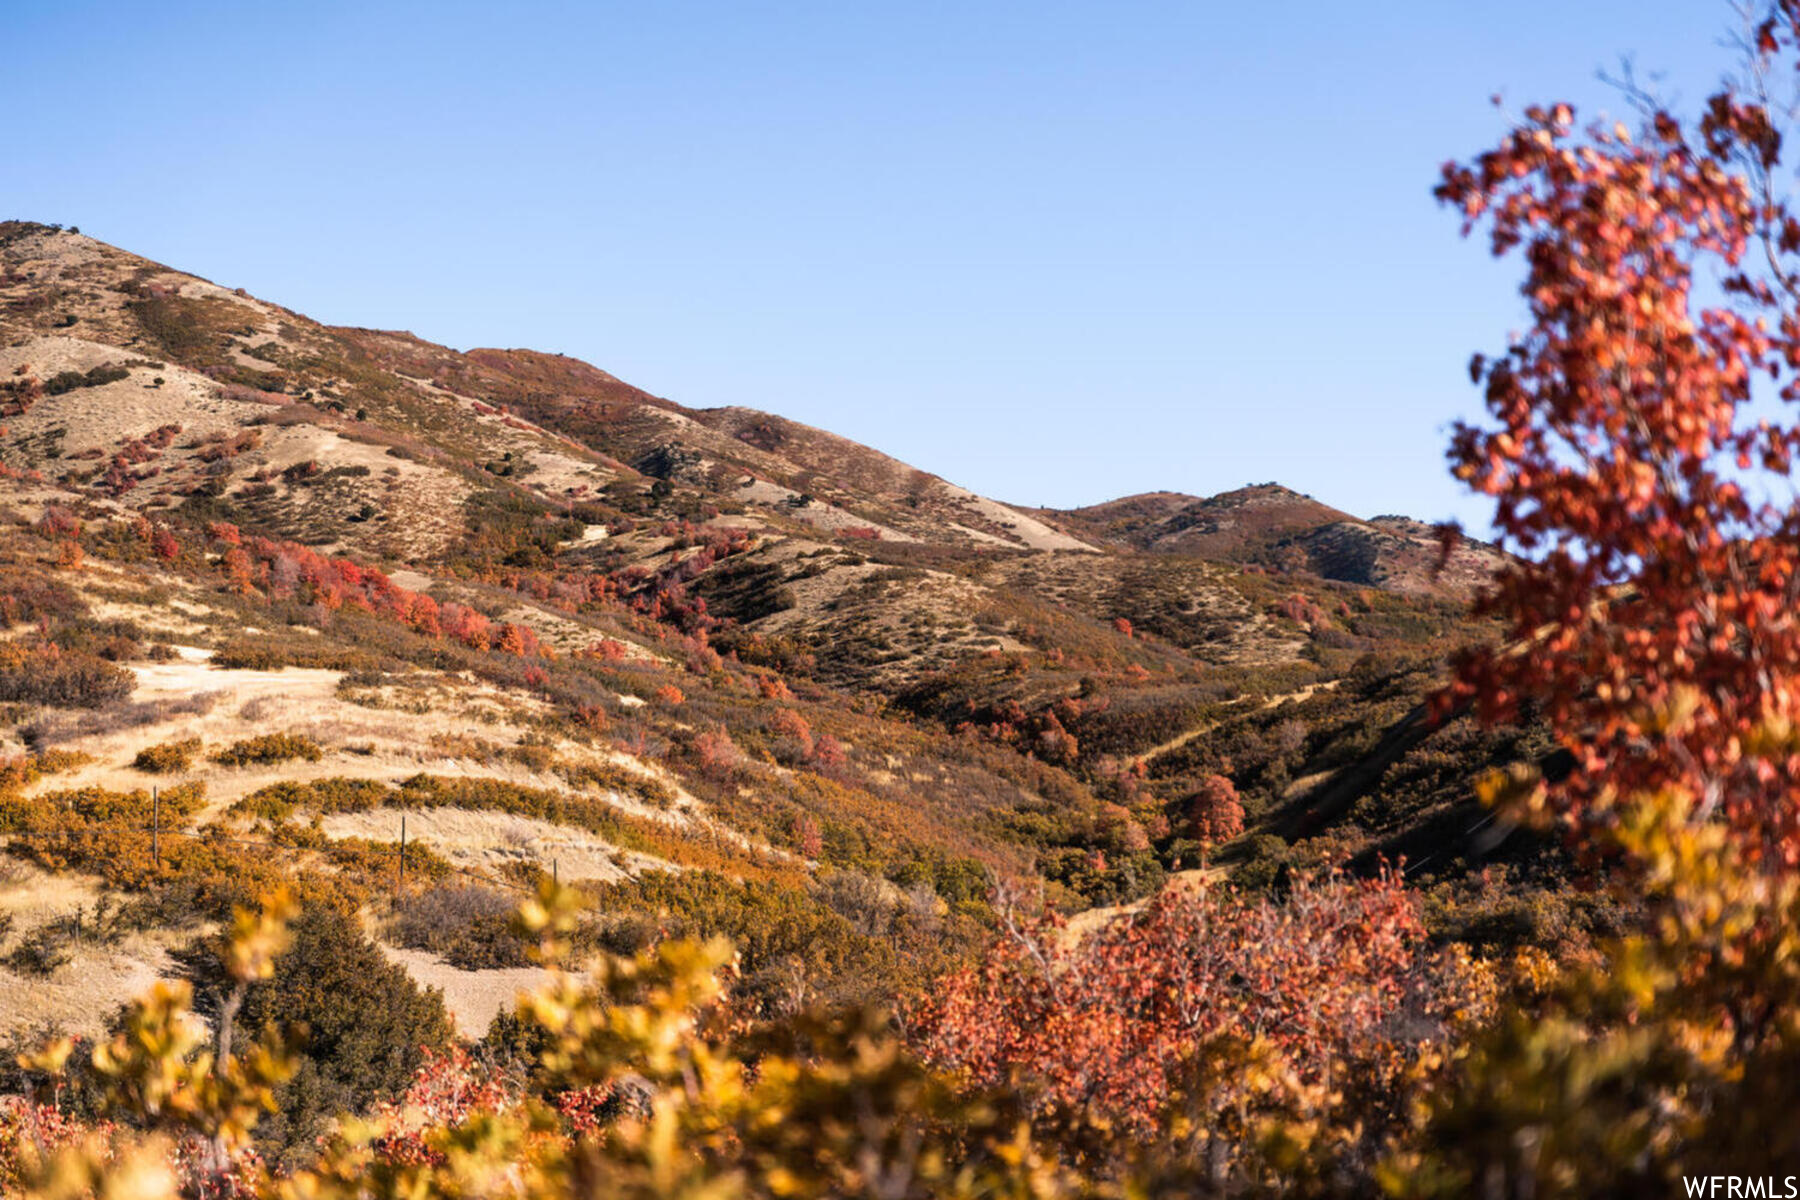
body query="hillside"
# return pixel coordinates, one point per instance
(1270, 526)
(727, 672)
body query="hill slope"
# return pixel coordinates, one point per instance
(1272, 526)
(731, 672)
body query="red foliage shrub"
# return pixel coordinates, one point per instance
(605, 650)
(1214, 812)
(807, 838)
(1114, 1024)
(164, 544)
(788, 723)
(717, 755)
(29, 1129)
(466, 625)
(446, 1091)
(795, 739)
(1300, 609)
(828, 753)
(58, 522)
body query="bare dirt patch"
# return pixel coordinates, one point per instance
(488, 841)
(474, 998)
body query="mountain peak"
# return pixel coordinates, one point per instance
(1272, 526)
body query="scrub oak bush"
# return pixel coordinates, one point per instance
(48, 674)
(165, 758)
(269, 748)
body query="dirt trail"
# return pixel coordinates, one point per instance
(1084, 923)
(1180, 740)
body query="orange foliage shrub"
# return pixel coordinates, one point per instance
(1116, 1026)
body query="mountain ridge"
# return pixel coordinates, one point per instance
(1271, 525)
(849, 485)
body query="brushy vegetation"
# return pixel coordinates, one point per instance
(269, 748)
(47, 674)
(369, 1027)
(465, 924)
(166, 758)
(677, 844)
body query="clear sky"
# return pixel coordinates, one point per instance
(1057, 252)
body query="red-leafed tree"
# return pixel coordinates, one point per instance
(1639, 447)
(422, 615)
(1634, 467)
(239, 570)
(1214, 812)
(466, 625)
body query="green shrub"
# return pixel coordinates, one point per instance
(68, 381)
(614, 778)
(368, 1023)
(165, 758)
(173, 323)
(64, 678)
(272, 654)
(269, 748)
(43, 951)
(280, 801)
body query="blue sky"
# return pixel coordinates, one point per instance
(1057, 252)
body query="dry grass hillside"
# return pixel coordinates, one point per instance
(270, 589)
